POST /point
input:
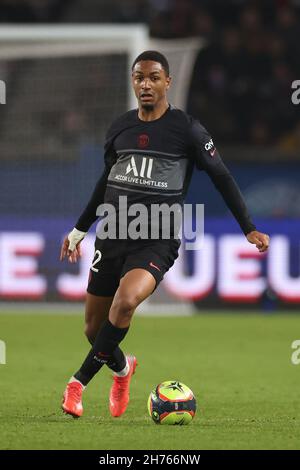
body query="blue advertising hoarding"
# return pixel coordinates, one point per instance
(225, 270)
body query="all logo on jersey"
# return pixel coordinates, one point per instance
(210, 147)
(143, 141)
(144, 170)
(138, 170)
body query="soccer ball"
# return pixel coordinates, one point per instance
(172, 402)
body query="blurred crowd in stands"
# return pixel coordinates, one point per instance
(242, 79)
(241, 84)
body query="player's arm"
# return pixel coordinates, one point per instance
(71, 244)
(231, 194)
(208, 159)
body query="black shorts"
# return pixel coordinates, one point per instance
(114, 258)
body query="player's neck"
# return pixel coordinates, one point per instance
(153, 114)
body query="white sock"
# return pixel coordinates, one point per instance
(72, 379)
(124, 371)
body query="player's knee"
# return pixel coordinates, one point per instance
(90, 332)
(126, 304)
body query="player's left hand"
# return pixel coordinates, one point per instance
(261, 240)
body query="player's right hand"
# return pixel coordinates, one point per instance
(71, 246)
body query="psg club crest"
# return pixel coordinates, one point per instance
(143, 140)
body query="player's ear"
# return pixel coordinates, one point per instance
(168, 80)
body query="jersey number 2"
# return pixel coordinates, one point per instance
(97, 258)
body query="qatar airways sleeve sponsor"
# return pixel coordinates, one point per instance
(210, 148)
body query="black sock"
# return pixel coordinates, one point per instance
(106, 342)
(118, 359)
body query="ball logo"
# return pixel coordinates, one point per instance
(143, 140)
(155, 416)
(175, 386)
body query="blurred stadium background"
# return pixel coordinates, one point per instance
(66, 67)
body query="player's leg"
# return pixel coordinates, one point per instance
(135, 286)
(96, 313)
(144, 269)
(103, 283)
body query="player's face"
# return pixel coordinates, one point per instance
(150, 83)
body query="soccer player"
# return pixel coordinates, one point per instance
(150, 154)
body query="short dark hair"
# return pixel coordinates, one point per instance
(156, 57)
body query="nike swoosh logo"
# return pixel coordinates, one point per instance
(153, 266)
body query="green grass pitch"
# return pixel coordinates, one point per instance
(238, 365)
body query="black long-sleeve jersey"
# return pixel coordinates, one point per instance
(151, 162)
